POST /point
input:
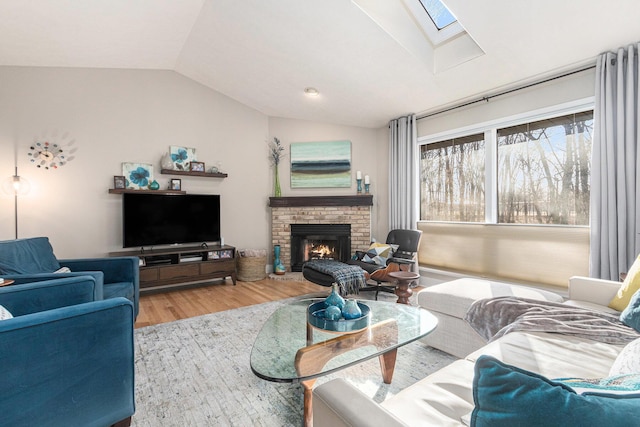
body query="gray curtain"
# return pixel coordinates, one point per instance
(614, 177)
(403, 177)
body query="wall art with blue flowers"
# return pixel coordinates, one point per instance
(138, 176)
(182, 157)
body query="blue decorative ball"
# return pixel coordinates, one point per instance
(333, 313)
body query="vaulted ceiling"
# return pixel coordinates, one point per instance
(367, 58)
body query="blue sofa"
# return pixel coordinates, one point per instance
(67, 360)
(32, 259)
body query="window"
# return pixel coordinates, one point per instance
(452, 180)
(435, 20)
(543, 171)
(438, 12)
(540, 174)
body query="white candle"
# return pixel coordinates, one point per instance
(358, 175)
(366, 179)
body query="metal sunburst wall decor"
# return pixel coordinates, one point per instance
(47, 153)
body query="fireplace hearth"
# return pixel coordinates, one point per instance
(319, 241)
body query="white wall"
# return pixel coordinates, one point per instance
(107, 117)
(577, 86)
(367, 148)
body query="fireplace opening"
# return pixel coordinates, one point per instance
(319, 241)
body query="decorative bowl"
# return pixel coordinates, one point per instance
(317, 319)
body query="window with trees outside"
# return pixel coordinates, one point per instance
(542, 174)
(452, 180)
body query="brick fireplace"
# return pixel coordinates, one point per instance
(352, 210)
(319, 241)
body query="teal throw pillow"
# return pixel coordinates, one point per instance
(631, 315)
(508, 396)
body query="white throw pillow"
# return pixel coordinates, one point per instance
(628, 361)
(4, 314)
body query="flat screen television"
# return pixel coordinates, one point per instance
(167, 219)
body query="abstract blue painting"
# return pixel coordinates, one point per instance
(320, 164)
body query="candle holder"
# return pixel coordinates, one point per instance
(366, 188)
(359, 181)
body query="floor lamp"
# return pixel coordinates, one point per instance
(18, 186)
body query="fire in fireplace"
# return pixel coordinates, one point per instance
(316, 250)
(319, 241)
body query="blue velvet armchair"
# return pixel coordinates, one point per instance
(32, 259)
(67, 360)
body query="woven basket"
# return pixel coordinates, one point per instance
(251, 269)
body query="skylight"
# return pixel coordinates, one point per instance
(438, 12)
(426, 29)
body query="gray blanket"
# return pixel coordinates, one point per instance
(350, 278)
(495, 317)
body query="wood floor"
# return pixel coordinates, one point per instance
(222, 295)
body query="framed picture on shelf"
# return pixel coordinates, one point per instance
(176, 184)
(197, 166)
(182, 157)
(119, 182)
(137, 176)
(226, 254)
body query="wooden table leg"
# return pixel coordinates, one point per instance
(388, 364)
(308, 402)
(311, 359)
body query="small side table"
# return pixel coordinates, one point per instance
(7, 282)
(404, 279)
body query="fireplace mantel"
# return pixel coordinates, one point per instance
(285, 202)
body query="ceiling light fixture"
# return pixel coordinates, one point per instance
(311, 91)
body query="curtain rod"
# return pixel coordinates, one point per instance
(506, 92)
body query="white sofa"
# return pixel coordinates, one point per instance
(445, 397)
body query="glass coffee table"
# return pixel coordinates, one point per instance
(287, 349)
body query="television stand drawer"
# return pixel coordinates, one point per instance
(175, 271)
(227, 266)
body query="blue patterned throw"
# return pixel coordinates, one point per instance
(350, 278)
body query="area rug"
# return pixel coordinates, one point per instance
(196, 372)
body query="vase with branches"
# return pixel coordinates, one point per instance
(276, 153)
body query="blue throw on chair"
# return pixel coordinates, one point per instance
(32, 259)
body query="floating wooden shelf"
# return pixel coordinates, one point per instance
(122, 191)
(193, 173)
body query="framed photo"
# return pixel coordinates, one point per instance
(197, 166)
(182, 157)
(226, 254)
(119, 182)
(176, 184)
(137, 176)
